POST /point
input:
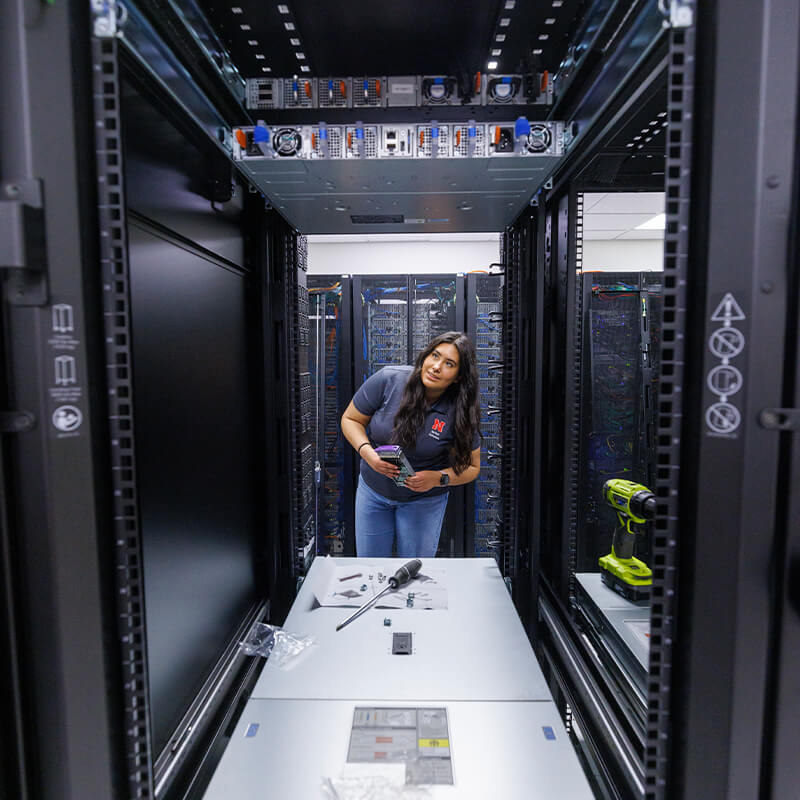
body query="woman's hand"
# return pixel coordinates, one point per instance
(424, 480)
(378, 464)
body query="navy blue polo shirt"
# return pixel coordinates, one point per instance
(379, 397)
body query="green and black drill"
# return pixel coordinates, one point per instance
(621, 570)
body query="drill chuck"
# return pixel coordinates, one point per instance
(643, 504)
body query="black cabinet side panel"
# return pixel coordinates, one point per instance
(180, 184)
(191, 404)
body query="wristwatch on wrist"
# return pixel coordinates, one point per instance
(444, 479)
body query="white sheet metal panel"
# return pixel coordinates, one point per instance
(626, 617)
(499, 750)
(476, 649)
(424, 195)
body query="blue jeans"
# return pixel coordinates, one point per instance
(416, 523)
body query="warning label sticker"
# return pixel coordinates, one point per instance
(724, 379)
(417, 737)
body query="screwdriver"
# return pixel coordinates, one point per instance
(401, 577)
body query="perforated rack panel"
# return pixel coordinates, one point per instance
(299, 93)
(295, 255)
(369, 92)
(127, 532)
(335, 92)
(433, 311)
(368, 136)
(335, 143)
(425, 140)
(489, 350)
(461, 141)
(511, 257)
(678, 182)
(326, 301)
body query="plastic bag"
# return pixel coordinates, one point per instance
(274, 644)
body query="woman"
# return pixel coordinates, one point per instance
(432, 411)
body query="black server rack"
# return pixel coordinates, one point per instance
(382, 308)
(380, 324)
(436, 306)
(621, 341)
(484, 327)
(383, 337)
(394, 317)
(332, 383)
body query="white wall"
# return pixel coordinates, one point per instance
(623, 255)
(393, 255)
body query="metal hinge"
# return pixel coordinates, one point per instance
(780, 419)
(16, 421)
(22, 242)
(677, 14)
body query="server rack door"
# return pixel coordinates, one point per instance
(394, 318)
(484, 327)
(433, 304)
(780, 750)
(435, 307)
(188, 458)
(56, 508)
(331, 372)
(301, 400)
(380, 324)
(741, 321)
(318, 369)
(621, 334)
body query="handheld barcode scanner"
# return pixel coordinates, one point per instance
(393, 453)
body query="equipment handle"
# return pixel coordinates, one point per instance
(405, 573)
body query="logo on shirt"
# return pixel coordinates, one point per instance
(437, 428)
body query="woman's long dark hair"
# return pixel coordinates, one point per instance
(414, 406)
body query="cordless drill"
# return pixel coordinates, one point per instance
(621, 570)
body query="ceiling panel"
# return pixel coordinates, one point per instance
(607, 222)
(651, 234)
(381, 37)
(650, 203)
(588, 235)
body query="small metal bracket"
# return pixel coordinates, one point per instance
(780, 419)
(22, 242)
(677, 14)
(108, 17)
(16, 421)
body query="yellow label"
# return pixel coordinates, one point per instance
(434, 742)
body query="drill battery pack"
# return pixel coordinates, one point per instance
(629, 577)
